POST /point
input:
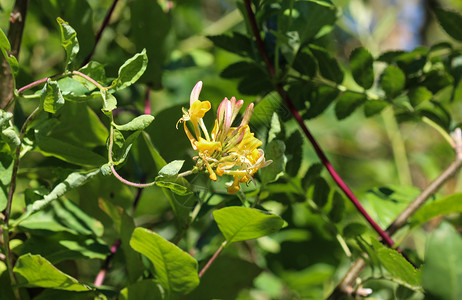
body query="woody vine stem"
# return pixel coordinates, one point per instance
(320, 153)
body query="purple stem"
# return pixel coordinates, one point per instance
(100, 32)
(342, 185)
(211, 260)
(31, 85)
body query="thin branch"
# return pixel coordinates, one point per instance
(212, 259)
(355, 270)
(280, 89)
(14, 172)
(100, 32)
(17, 22)
(127, 182)
(7, 211)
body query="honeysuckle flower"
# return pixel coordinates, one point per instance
(227, 150)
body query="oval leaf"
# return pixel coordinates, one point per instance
(320, 192)
(442, 272)
(419, 95)
(392, 81)
(138, 123)
(172, 168)
(328, 65)
(361, 62)
(175, 269)
(275, 152)
(51, 98)
(400, 269)
(347, 103)
(242, 223)
(450, 21)
(131, 71)
(36, 271)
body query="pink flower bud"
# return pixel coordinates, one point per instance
(195, 93)
(247, 115)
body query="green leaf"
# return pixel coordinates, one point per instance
(6, 168)
(51, 98)
(145, 289)
(275, 128)
(419, 95)
(385, 203)
(264, 110)
(68, 41)
(347, 103)
(61, 246)
(392, 81)
(72, 181)
(305, 63)
(361, 63)
(175, 269)
(255, 79)
(172, 168)
(373, 107)
(236, 43)
(156, 157)
(314, 171)
(274, 151)
(4, 43)
(337, 209)
(50, 146)
(354, 230)
(226, 278)
(35, 271)
(442, 272)
(122, 154)
(74, 218)
(134, 262)
(294, 153)
(95, 71)
(131, 71)
(450, 21)
(138, 123)
(400, 269)
(327, 64)
(242, 223)
(79, 125)
(321, 192)
(146, 15)
(109, 101)
(238, 69)
(311, 17)
(440, 207)
(5, 48)
(68, 295)
(177, 185)
(320, 100)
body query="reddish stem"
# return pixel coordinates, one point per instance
(102, 273)
(279, 88)
(147, 101)
(211, 260)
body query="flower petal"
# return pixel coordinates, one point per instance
(195, 93)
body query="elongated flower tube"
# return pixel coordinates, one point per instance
(227, 150)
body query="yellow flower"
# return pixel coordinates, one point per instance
(228, 150)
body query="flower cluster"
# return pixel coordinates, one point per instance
(226, 150)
